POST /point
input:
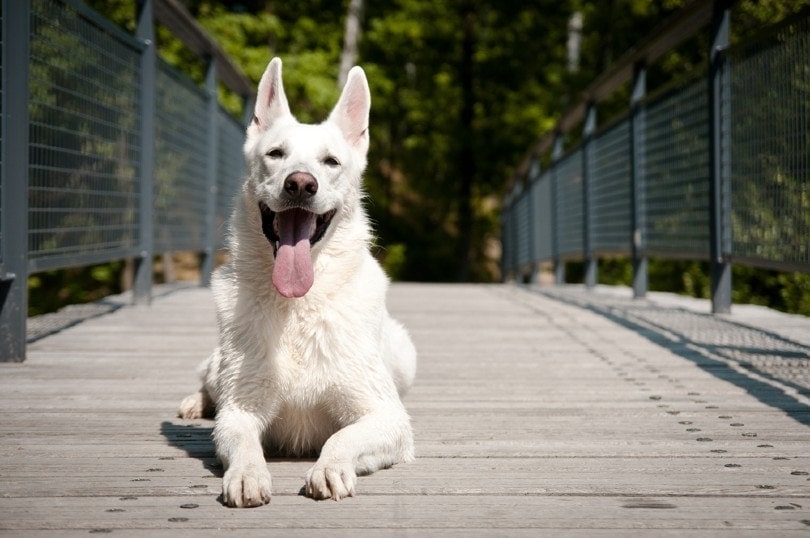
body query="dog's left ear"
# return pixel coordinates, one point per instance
(352, 109)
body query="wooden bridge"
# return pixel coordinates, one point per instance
(536, 411)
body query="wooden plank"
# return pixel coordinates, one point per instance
(713, 476)
(444, 532)
(392, 512)
(529, 414)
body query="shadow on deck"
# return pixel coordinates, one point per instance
(773, 368)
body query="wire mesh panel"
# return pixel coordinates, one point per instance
(770, 117)
(610, 190)
(522, 227)
(230, 170)
(83, 192)
(569, 204)
(543, 246)
(181, 142)
(677, 173)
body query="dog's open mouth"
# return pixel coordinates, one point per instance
(272, 223)
(291, 233)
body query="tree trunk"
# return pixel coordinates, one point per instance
(467, 163)
(350, 39)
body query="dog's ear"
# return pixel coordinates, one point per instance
(271, 103)
(351, 111)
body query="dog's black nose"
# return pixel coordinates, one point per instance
(300, 185)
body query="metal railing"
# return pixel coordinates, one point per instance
(107, 151)
(713, 168)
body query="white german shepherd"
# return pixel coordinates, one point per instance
(309, 360)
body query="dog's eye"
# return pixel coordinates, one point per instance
(275, 153)
(331, 161)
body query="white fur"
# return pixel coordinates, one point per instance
(324, 372)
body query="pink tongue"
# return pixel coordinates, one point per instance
(292, 273)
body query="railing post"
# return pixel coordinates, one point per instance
(559, 264)
(519, 237)
(515, 239)
(534, 173)
(719, 155)
(210, 247)
(504, 247)
(16, 34)
(637, 178)
(506, 237)
(142, 285)
(591, 264)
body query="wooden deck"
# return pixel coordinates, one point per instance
(534, 413)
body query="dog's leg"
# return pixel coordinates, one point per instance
(238, 437)
(203, 404)
(399, 354)
(376, 441)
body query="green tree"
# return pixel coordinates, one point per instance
(460, 90)
(456, 108)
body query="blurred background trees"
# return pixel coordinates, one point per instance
(460, 89)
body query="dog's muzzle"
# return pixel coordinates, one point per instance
(316, 225)
(292, 233)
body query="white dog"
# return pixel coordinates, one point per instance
(309, 360)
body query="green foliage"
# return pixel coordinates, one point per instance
(309, 47)
(616, 272)
(52, 290)
(789, 292)
(785, 291)
(422, 147)
(393, 259)
(679, 276)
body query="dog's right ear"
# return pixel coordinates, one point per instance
(271, 103)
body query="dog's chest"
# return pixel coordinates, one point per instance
(309, 371)
(311, 341)
(301, 430)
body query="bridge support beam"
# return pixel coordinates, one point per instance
(637, 208)
(591, 263)
(142, 285)
(559, 263)
(210, 239)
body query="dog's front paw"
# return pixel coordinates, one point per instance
(246, 486)
(335, 480)
(198, 405)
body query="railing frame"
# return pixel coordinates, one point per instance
(15, 264)
(632, 68)
(14, 227)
